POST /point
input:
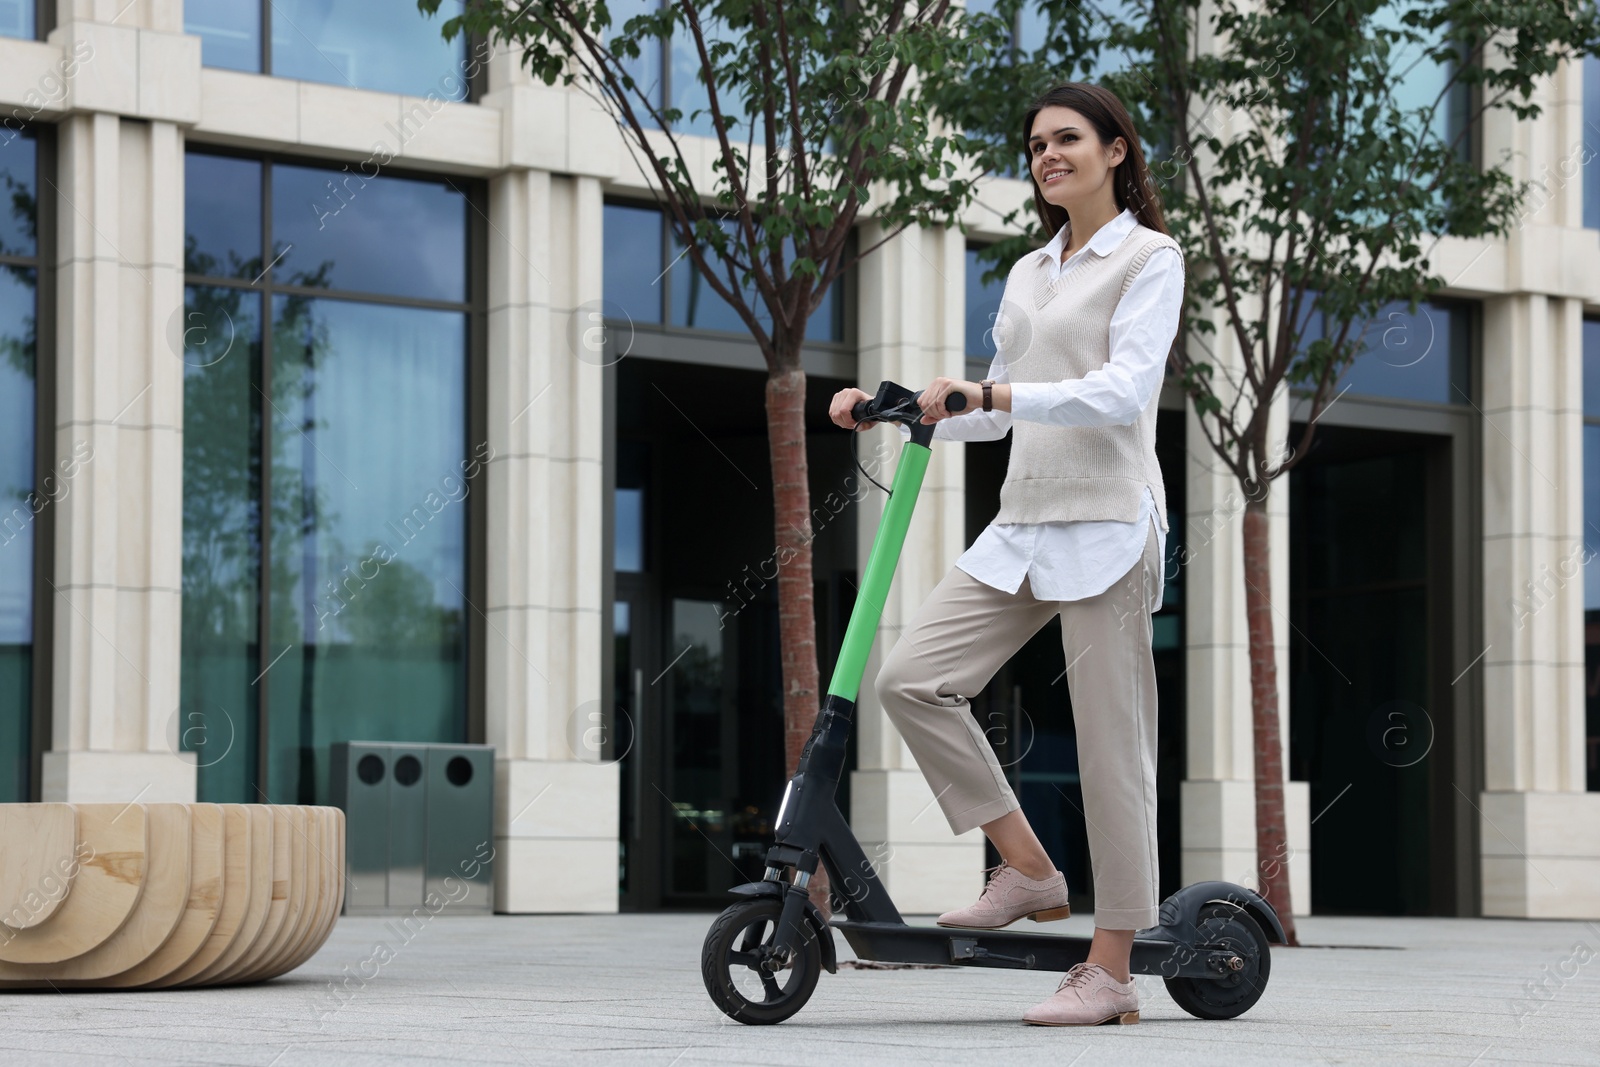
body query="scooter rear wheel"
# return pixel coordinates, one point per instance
(1230, 995)
(737, 963)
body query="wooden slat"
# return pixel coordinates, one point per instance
(301, 857)
(207, 858)
(235, 897)
(110, 877)
(149, 924)
(36, 862)
(278, 879)
(254, 923)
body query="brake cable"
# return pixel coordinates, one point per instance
(855, 454)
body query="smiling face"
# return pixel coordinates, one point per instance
(1068, 161)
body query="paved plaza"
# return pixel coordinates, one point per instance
(626, 989)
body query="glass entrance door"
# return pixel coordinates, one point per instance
(1372, 716)
(701, 746)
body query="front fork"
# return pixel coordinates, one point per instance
(801, 819)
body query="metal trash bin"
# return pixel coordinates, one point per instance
(419, 821)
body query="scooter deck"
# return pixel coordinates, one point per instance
(1016, 949)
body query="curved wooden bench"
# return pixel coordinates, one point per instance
(156, 896)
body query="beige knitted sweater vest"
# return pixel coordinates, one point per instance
(1068, 473)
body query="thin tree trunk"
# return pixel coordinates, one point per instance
(797, 620)
(1272, 845)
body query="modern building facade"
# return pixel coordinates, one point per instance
(353, 389)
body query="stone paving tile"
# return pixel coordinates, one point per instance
(626, 989)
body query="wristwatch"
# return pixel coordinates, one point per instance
(988, 394)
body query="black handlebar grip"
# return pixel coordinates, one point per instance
(955, 402)
(859, 412)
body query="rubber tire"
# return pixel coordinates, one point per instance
(714, 964)
(1232, 996)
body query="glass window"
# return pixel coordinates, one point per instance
(326, 448)
(369, 531)
(19, 502)
(689, 91)
(222, 225)
(1591, 141)
(1591, 544)
(1421, 80)
(17, 19)
(364, 44)
(370, 45)
(628, 554)
(229, 32)
(220, 658)
(983, 304)
(633, 277)
(338, 229)
(646, 69)
(695, 303)
(1425, 356)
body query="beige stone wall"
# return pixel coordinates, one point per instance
(137, 93)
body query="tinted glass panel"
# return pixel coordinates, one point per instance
(1425, 356)
(222, 216)
(16, 18)
(983, 304)
(1413, 357)
(369, 44)
(629, 536)
(697, 779)
(1591, 141)
(369, 533)
(19, 502)
(1591, 368)
(633, 268)
(689, 92)
(338, 229)
(18, 164)
(646, 69)
(18, 506)
(695, 303)
(1591, 517)
(229, 32)
(221, 540)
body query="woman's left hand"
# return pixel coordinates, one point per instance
(932, 399)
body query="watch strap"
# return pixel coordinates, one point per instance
(988, 394)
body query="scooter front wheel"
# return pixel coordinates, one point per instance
(1221, 925)
(742, 972)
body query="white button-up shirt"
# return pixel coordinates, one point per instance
(1074, 560)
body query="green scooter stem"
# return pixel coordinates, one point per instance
(874, 591)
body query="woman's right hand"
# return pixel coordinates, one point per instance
(843, 401)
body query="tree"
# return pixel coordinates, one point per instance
(1304, 178)
(829, 90)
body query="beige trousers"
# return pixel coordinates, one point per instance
(965, 632)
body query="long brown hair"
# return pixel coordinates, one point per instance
(1130, 179)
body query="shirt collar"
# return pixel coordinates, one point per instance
(1102, 243)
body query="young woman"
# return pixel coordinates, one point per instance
(1085, 327)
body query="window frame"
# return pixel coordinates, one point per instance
(476, 312)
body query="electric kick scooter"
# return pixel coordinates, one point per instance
(764, 953)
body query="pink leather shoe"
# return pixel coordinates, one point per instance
(1008, 896)
(1087, 996)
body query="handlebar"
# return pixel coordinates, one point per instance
(894, 404)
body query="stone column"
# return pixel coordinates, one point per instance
(119, 403)
(1539, 830)
(556, 819)
(912, 294)
(1218, 794)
